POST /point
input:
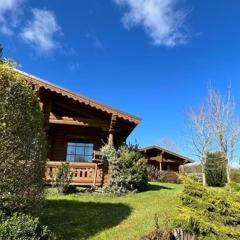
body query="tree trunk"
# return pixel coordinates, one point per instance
(203, 176)
(228, 172)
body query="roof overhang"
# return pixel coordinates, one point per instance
(40, 83)
(186, 159)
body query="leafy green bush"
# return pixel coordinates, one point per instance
(22, 143)
(128, 169)
(216, 169)
(209, 213)
(64, 178)
(23, 227)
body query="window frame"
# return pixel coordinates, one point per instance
(78, 143)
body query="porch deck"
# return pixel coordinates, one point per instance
(84, 173)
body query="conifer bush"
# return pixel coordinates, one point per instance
(128, 169)
(22, 143)
(216, 169)
(209, 213)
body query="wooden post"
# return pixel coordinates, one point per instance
(112, 130)
(110, 139)
(161, 160)
(95, 175)
(47, 108)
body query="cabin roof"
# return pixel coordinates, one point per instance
(80, 98)
(166, 151)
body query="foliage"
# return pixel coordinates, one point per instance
(64, 178)
(22, 143)
(158, 233)
(153, 173)
(233, 187)
(128, 169)
(235, 175)
(104, 216)
(209, 213)
(23, 227)
(191, 168)
(169, 176)
(215, 169)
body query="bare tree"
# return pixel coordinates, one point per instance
(225, 126)
(169, 144)
(215, 127)
(201, 134)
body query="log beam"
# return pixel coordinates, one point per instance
(85, 122)
(112, 130)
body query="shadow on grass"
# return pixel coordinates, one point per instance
(80, 220)
(154, 187)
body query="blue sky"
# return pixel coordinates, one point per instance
(151, 58)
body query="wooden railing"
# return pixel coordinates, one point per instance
(83, 174)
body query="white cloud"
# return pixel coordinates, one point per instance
(74, 66)
(41, 31)
(10, 11)
(96, 41)
(161, 20)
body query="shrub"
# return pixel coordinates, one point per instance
(64, 178)
(169, 177)
(233, 186)
(128, 168)
(209, 213)
(23, 144)
(216, 169)
(23, 227)
(153, 173)
(158, 233)
(235, 175)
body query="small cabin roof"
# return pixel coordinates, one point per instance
(80, 98)
(146, 149)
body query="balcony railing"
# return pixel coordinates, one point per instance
(83, 174)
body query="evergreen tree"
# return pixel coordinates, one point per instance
(216, 169)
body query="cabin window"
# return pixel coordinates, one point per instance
(79, 150)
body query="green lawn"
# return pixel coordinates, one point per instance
(96, 216)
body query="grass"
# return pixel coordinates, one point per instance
(96, 216)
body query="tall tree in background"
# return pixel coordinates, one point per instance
(201, 135)
(224, 123)
(215, 127)
(169, 144)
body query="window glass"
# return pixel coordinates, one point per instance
(79, 150)
(89, 150)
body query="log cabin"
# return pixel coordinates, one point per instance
(163, 159)
(77, 127)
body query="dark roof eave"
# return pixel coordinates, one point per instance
(167, 151)
(135, 120)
